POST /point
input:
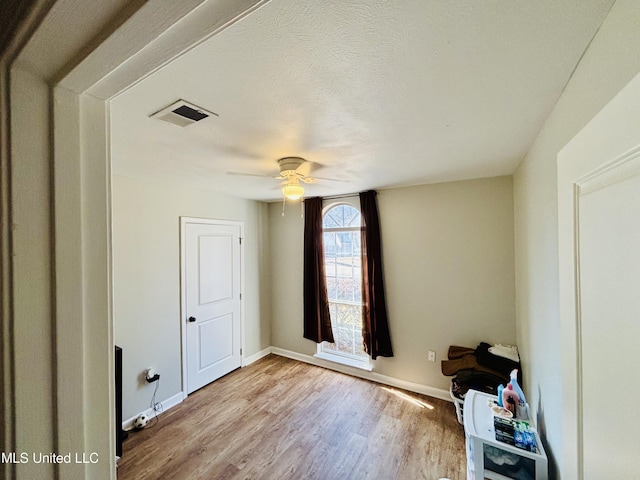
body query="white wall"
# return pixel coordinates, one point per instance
(612, 60)
(146, 275)
(448, 256)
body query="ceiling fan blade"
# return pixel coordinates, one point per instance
(249, 174)
(304, 169)
(330, 179)
(315, 179)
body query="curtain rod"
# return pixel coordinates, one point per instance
(345, 195)
(334, 197)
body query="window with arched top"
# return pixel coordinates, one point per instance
(342, 262)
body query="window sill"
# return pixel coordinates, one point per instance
(349, 362)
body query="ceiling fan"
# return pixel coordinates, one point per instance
(292, 173)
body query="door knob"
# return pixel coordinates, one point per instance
(192, 319)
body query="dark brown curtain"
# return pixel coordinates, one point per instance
(375, 325)
(317, 321)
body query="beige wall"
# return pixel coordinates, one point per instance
(611, 61)
(448, 257)
(146, 275)
(61, 334)
(33, 328)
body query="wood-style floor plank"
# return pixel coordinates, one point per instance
(280, 419)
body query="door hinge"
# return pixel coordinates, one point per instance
(240, 296)
(240, 351)
(240, 238)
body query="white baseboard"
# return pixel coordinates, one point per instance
(257, 356)
(166, 405)
(373, 376)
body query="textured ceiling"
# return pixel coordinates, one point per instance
(375, 93)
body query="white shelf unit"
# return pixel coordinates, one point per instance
(459, 404)
(481, 440)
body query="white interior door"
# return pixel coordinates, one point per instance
(599, 222)
(211, 293)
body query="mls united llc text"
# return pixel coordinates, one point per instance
(39, 457)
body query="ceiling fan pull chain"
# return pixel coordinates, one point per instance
(283, 203)
(301, 208)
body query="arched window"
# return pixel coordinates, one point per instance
(342, 259)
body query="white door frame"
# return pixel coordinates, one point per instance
(183, 293)
(95, 67)
(586, 163)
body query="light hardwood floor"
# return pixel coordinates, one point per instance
(281, 419)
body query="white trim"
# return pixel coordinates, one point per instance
(158, 33)
(372, 376)
(257, 356)
(349, 361)
(574, 182)
(183, 299)
(606, 150)
(167, 404)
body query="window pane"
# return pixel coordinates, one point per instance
(341, 216)
(346, 322)
(347, 290)
(342, 266)
(349, 316)
(344, 342)
(331, 288)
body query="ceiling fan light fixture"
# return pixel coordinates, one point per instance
(293, 190)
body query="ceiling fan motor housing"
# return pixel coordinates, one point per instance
(289, 165)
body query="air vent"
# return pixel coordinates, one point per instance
(182, 113)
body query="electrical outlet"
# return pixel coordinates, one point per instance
(432, 356)
(151, 376)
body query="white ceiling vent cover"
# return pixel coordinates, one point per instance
(182, 113)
